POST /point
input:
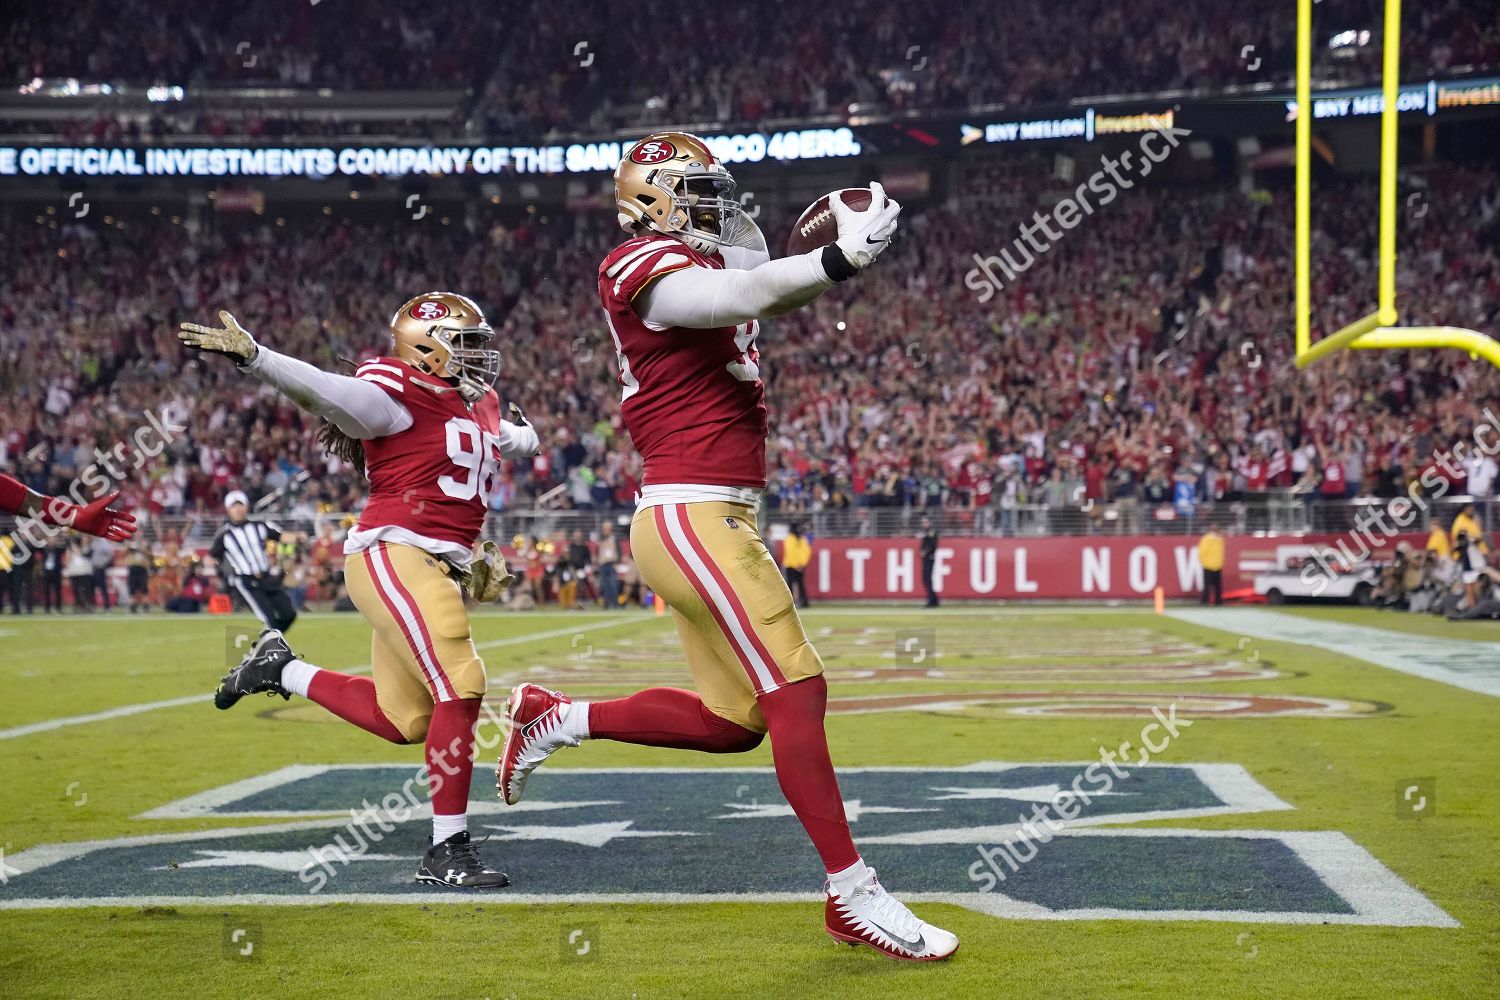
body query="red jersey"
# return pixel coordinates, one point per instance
(693, 400)
(434, 479)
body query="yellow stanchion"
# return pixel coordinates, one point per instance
(1377, 330)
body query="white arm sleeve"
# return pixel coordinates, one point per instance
(747, 249)
(702, 298)
(358, 408)
(518, 440)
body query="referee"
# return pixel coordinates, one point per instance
(240, 549)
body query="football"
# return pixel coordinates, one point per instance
(816, 228)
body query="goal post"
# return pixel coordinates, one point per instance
(1378, 330)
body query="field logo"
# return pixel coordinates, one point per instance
(666, 834)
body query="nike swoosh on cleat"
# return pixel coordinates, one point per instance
(526, 730)
(919, 945)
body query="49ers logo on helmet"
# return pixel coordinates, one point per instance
(429, 310)
(654, 151)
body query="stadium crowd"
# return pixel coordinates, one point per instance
(570, 69)
(1148, 352)
(1143, 363)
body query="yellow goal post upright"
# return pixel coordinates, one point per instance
(1378, 329)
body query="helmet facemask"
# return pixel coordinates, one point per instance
(703, 199)
(471, 362)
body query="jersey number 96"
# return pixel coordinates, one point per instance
(477, 454)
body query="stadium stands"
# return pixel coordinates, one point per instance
(1149, 350)
(741, 63)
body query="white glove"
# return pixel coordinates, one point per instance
(863, 235)
(230, 339)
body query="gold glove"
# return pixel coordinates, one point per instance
(488, 576)
(231, 339)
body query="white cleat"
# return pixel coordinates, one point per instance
(870, 915)
(536, 730)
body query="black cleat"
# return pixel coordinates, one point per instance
(455, 863)
(259, 671)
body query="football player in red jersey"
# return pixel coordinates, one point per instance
(96, 518)
(682, 298)
(429, 425)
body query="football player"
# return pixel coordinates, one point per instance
(428, 424)
(683, 297)
(96, 518)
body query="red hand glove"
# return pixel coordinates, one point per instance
(92, 519)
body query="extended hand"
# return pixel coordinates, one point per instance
(96, 518)
(231, 339)
(864, 235)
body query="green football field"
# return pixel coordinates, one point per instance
(1318, 826)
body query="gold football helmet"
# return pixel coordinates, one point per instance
(445, 334)
(672, 183)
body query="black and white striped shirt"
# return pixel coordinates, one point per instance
(241, 548)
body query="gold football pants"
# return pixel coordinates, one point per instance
(733, 610)
(422, 650)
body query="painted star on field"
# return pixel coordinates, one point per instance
(587, 834)
(853, 809)
(1030, 793)
(290, 862)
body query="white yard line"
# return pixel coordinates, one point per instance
(50, 725)
(1463, 663)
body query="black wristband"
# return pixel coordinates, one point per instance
(836, 264)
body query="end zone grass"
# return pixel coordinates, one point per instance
(1338, 773)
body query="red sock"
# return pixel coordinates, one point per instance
(668, 717)
(353, 700)
(804, 769)
(450, 755)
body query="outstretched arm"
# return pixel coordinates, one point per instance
(518, 439)
(704, 298)
(358, 408)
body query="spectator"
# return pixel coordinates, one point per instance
(1472, 566)
(796, 553)
(1211, 558)
(138, 575)
(54, 557)
(609, 571)
(1438, 544)
(581, 559)
(16, 578)
(102, 557)
(1482, 473)
(1466, 523)
(80, 573)
(928, 551)
(193, 594)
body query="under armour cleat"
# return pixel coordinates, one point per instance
(259, 671)
(870, 915)
(536, 730)
(456, 863)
